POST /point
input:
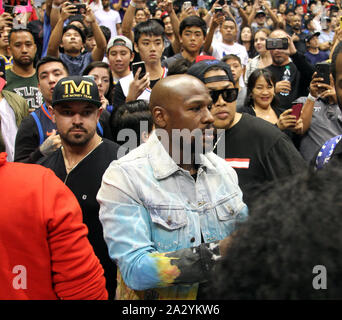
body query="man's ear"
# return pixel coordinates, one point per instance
(52, 112)
(132, 57)
(160, 117)
(99, 113)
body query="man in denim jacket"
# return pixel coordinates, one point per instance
(169, 206)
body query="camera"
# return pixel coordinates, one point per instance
(277, 43)
(81, 7)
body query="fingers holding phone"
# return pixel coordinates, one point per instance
(140, 82)
(286, 120)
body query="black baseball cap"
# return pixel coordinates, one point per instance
(76, 88)
(199, 69)
(310, 35)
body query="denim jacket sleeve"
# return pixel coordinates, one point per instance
(127, 230)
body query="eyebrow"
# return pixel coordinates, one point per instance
(45, 72)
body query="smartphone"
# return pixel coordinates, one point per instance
(2, 68)
(187, 4)
(218, 9)
(136, 66)
(296, 109)
(277, 43)
(323, 71)
(81, 8)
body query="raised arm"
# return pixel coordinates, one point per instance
(215, 22)
(98, 52)
(270, 12)
(127, 22)
(57, 33)
(242, 13)
(168, 6)
(55, 9)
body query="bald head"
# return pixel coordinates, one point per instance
(174, 88)
(278, 33)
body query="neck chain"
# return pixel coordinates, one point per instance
(69, 168)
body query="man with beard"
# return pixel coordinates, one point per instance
(83, 157)
(21, 78)
(37, 136)
(168, 207)
(109, 18)
(298, 36)
(300, 69)
(72, 40)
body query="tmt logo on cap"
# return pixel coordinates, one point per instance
(72, 90)
(76, 88)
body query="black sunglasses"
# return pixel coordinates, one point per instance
(228, 94)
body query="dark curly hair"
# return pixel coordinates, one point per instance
(294, 225)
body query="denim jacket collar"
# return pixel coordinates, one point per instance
(163, 165)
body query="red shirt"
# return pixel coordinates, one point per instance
(44, 249)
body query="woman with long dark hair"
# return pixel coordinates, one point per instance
(104, 80)
(247, 40)
(263, 58)
(261, 101)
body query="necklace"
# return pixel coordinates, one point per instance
(71, 167)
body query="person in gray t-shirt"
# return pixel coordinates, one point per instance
(326, 121)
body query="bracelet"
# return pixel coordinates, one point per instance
(133, 4)
(210, 13)
(311, 98)
(55, 7)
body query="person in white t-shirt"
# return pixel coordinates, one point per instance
(96, 5)
(229, 45)
(109, 18)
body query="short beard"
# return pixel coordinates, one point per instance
(23, 64)
(73, 50)
(77, 143)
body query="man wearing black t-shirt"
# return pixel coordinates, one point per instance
(256, 149)
(300, 69)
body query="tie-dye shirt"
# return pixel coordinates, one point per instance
(154, 213)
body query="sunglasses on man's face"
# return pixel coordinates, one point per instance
(228, 94)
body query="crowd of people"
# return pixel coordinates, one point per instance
(170, 149)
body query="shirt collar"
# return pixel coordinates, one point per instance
(163, 165)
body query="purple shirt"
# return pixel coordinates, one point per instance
(125, 4)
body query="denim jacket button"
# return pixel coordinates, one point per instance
(192, 239)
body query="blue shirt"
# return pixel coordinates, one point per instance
(319, 57)
(154, 213)
(76, 65)
(46, 34)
